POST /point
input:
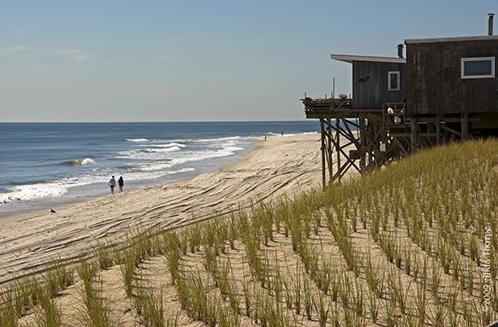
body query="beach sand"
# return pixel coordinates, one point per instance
(281, 165)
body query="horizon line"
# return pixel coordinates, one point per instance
(148, 121)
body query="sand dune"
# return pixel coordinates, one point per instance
(280, 165)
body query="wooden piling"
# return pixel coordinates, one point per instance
(329, 149)
(338, 144)
(438, 129)
(465, 126)
(322, 148)
(413, 134)
(363, 141)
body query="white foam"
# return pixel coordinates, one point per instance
(148, 153)
(87, 161)
(218, 139)
(58, 188)
(80, 162)
(139, 140)
(223, 147)
(158, 150)
(32, 192)
(214, 148)
(159, 159)
(45, 190)
(204, 155)
(161, 145)
(156, 166)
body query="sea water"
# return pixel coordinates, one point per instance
(44, 165)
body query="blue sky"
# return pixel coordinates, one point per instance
(199, 60)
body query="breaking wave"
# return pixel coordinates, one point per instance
(158, 150)
(137, 140)
(167, 145)
(80, 162)
(57, 188)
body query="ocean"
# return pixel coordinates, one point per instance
(44, 165)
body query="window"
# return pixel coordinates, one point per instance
(393, 81)
(478, 67)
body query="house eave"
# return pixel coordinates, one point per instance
(351, 58)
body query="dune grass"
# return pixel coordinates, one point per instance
(47, 314)
(25, 294)
(437, 202)
(97, 308)
(402, 246)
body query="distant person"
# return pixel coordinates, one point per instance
(112, 184)
(265, 138)
(120, 183)
(282, 133)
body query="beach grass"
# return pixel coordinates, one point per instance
(401, 246)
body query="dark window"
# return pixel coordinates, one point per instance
(393, 81)
(478, 67)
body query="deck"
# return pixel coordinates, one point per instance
(366, 130)
(334, 108)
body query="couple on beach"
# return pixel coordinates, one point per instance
(112, 184)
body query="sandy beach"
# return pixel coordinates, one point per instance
(281, 165)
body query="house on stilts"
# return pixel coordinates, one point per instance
(444, 90)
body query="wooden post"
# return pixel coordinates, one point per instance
(438, 129)
(413, 134)
(465, 126)
(363, 131)
(377, 138)
(338, 145)
(322, 148)
(329, 148)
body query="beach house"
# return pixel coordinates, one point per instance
(376, 80)
(444, 90)
(453, 81)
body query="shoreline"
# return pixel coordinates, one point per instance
(41, 208)
(276, 167)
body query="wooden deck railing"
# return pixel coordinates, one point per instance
(326, 104)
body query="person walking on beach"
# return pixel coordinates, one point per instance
(112, 184)
(120, 183)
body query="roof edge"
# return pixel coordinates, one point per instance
(350, 58)
(453, 39)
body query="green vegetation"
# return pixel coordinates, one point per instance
(402, 246)
(23, 295)
(47, 314)
(97, 311)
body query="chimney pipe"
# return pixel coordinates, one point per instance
(400, 50)
(490, 23)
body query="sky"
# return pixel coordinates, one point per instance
(201, 60)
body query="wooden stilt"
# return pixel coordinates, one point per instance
(354, 135)
(362, 149)
(322, 148)
(438, 129)
(329, 149)
(465, 126)
(338, 144)
(413, 134)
